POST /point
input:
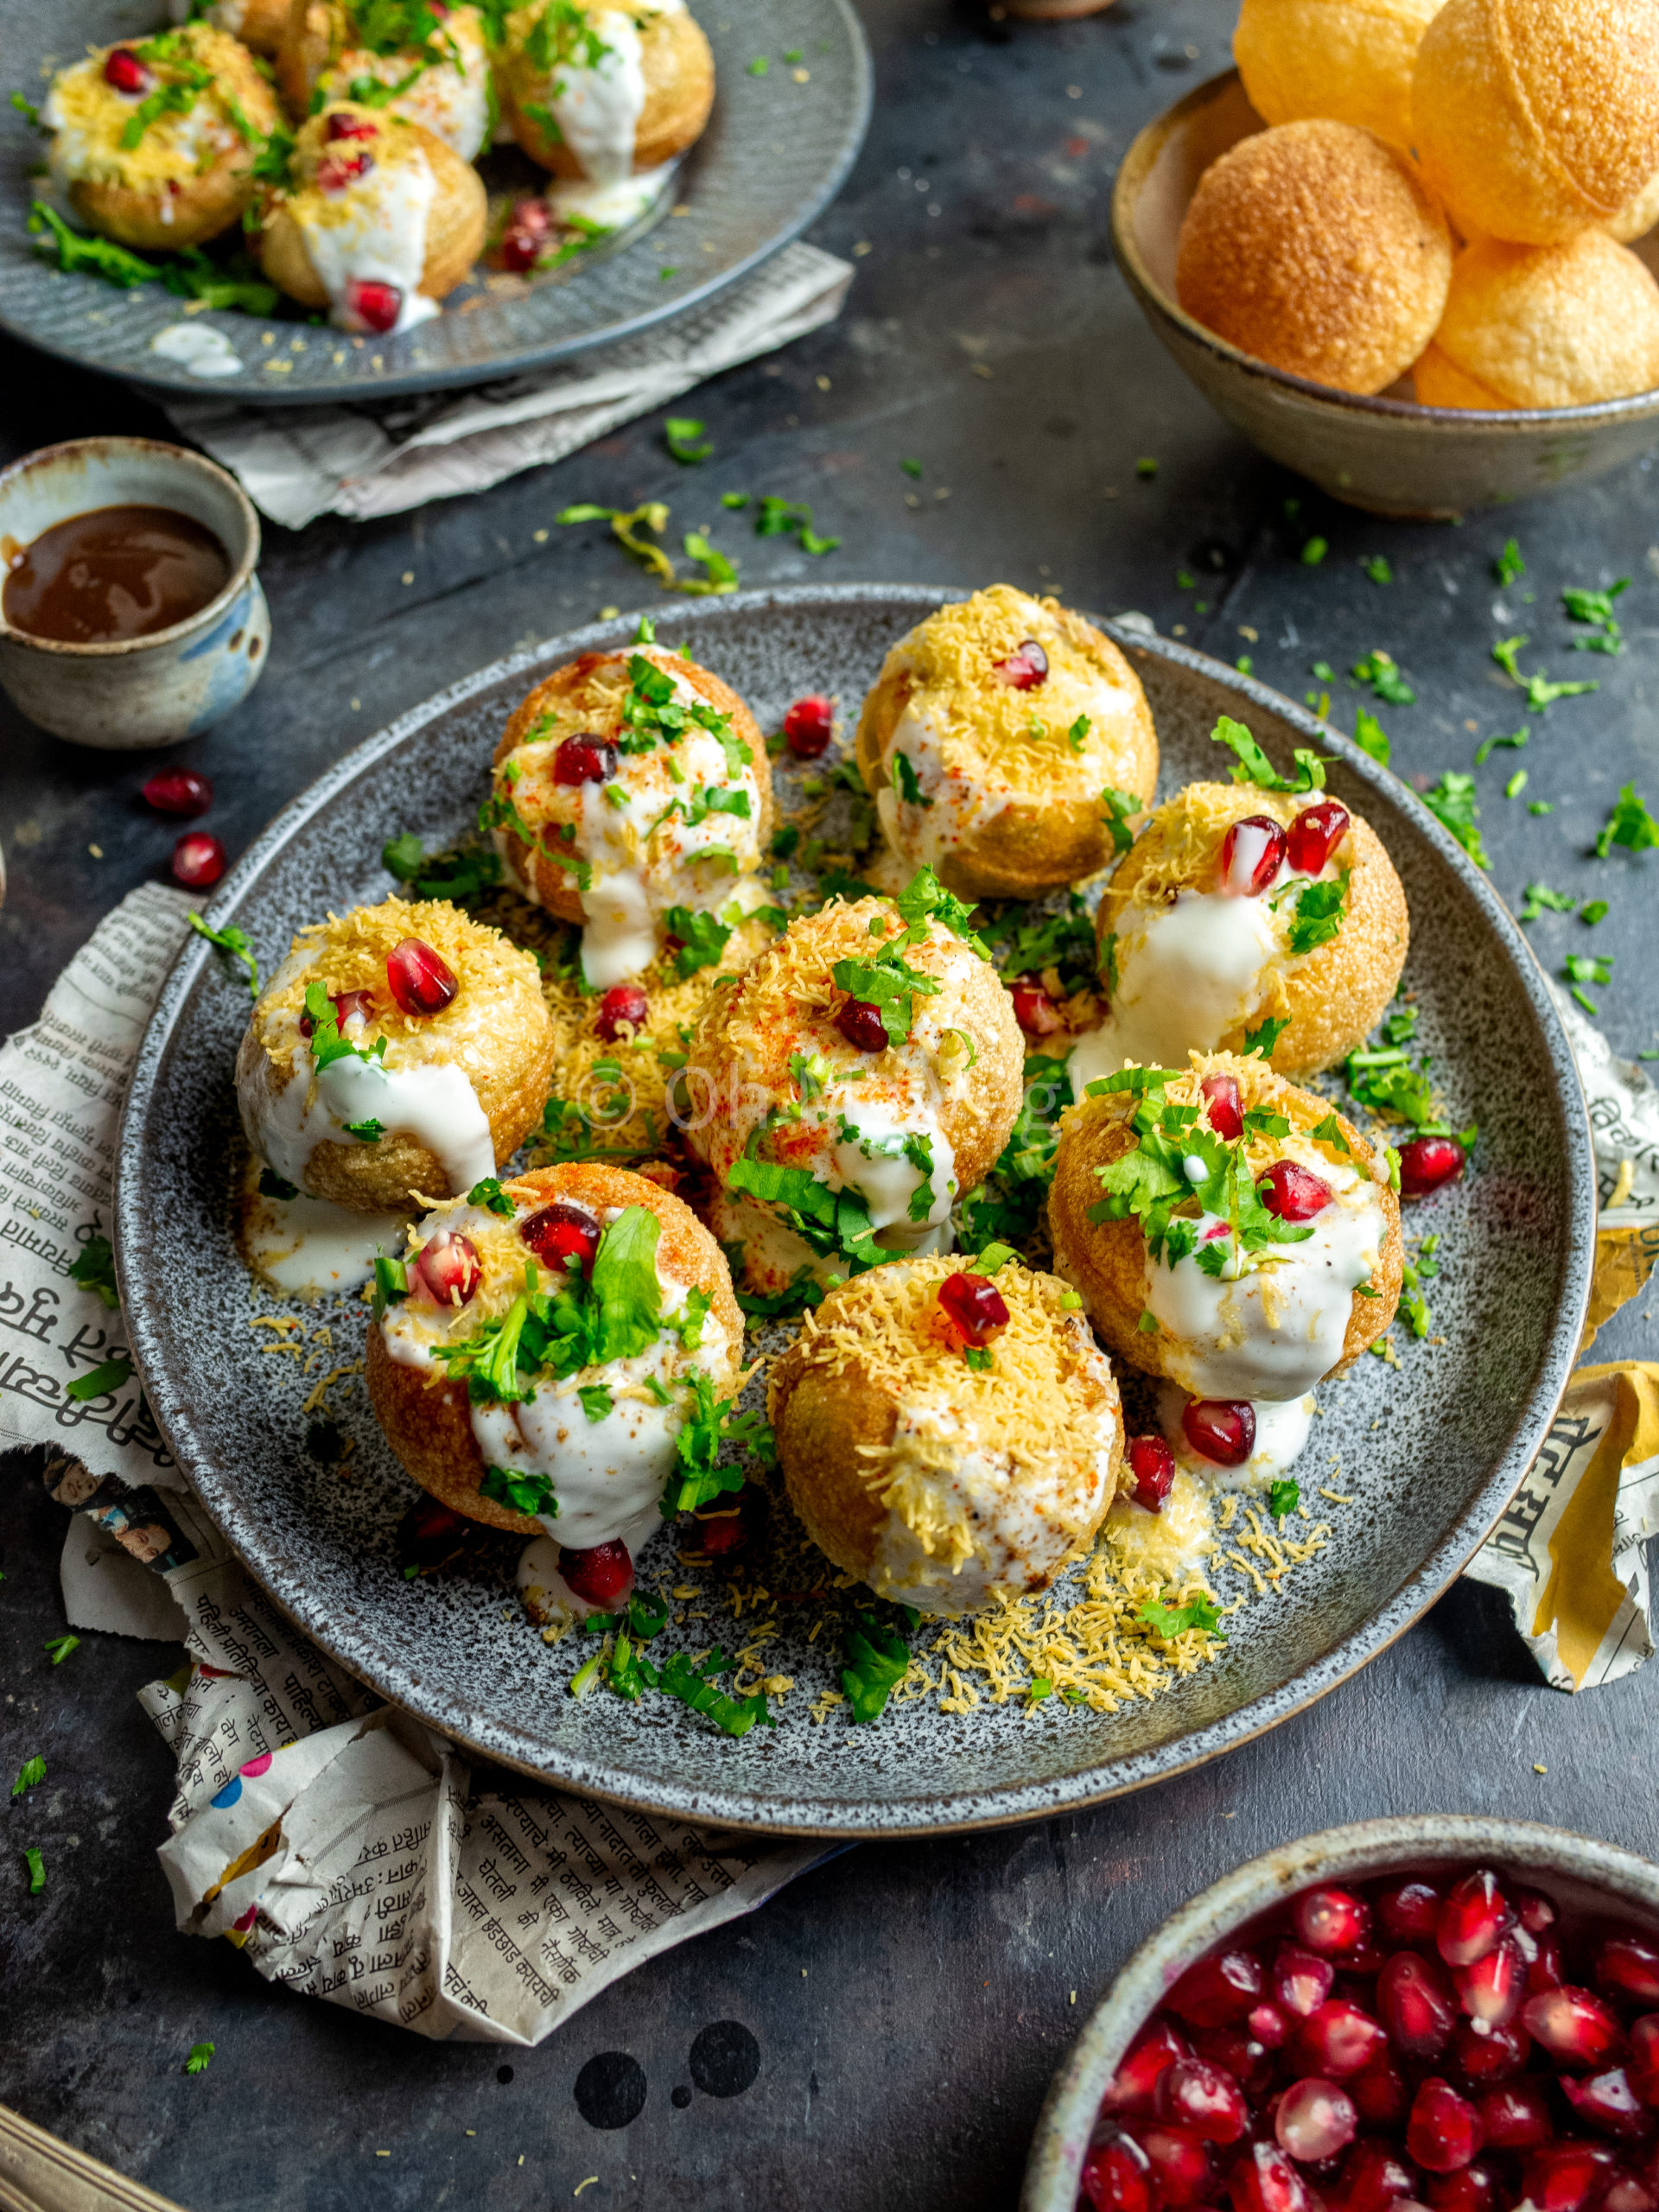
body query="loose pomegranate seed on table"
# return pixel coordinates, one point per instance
(859, 1022)
(562, 1232)
(585, 760)
(1428, 1164)
(198, 860)
(1314, 836)
(1224, 1106)
(179, 791)
(1026, 667)
(809, 725)
(1252, 853)
(1034, 1009)
(975, 1306)
(623, 1002)
(421, 981)
(602, 1575)
(1222, 1429)
(1152, 1465)
(447, 1268)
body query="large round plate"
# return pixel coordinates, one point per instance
(1430, 1452)
(773, 155)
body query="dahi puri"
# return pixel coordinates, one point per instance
(602, 92)
(1315, 248)
(1347, 61)
(1193, 957)
(1296, 1297)
(942, 1486)
(419, 1065)
(1532, 118)
(989, 737)
(1543, 326)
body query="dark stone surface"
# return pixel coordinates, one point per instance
(909, 2001)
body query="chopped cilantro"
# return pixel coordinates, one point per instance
(690, 1684)
(1120, 806)
(1329, 1131)
(1594, 911)
(1540, 897)
(1412, 1304)
(720, 571)
(1036, 941)
(1400, 1025)
(699, 938)
(1319, 908)
(1453, 805)
(681, 434)
(462, 878)
(1587, 967)
(779, 518)
(596, 1400)
(1541, 692)
(58, 1647)
(1381, 672)
(114, 1374)
(327, 1045)
(1168, 1621)
(1629, 824)
(234, 941)
(36, 1866)
(877, 1661)
(27, 110)
(1284, 1498)
(1508, 568)
(924, 898)
(390, 1283)
(1254, 767)
(1516, 783)
(1370, 737)
(489, 1194)
(710, 1424)
(1488, 745)
(200, 2058)
(521, 1490)
(1596, 607)
(94, 1270)
(1314, 551)
(1263, 1038)
(368, 1132)
(1375, 566)
(905, 781)
(1147, 465)
(760, 66)
(1040, 1685)
(833, 1223)
(30, 1775)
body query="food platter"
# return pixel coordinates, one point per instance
(776, 150)
(1430, 1450)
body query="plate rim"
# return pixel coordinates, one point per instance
(747, 1809)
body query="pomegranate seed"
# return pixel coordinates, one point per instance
(1373, 2175)
(421, 981)
(975, 1305)
(1292, 1193)
(340, 124)
(721, 1535)
(1564, 2177)
(584, 760)
(808, 726)
(602, 1575)
(1628, 2192)
(1026, 667)
(1264, 2180)
(1136, 2082)
(1546, 1970)
(1222, 1429)
(1643, 2065)
(373, 306)
(1034, 1009)
(1152, 1465)
(1302, 1981)
(1473, 1919)
(1427, 1164)
(1315, 2119)
(1409, 1911)
(123, 69)
(1444, 2130)
(1331, 1921)
(448, 1267)
(1337, 2040)
(1627, 1970)
(1183, 2164)
(337, 173)
(1314, 836)
(198, 860)
(1517, 2117)
(1267, 2026)
(1486, 2055)
(1219, 1991)
(1226, 1109)
(1252, 853)
(1608, 2103)
(560, 1233)
(1117, 2174)
(1471, 2189)
(1415, 2001)
(349, 1006)
(1493, 1990)
(519, 250)
(1379, 2095)
(859, 1022)
(1193, 2095)
(1534, 1911)
(1573, 2025)
(179, 791)
(1235, 2051)
(623, 1002)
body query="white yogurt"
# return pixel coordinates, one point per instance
(309, 1248)
(598, 109)
(1282, 1428)
(1187, 972)
(871, 1159)
(198, 347)
(950, 811)
(607, 1475)
(374, 231)
(612, 204)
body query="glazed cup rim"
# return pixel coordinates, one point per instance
(172, 456)
(1126, 186)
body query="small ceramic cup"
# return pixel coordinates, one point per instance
(132, 692)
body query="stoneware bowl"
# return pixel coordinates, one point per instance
(1386, 454)
(133, 692)
(1577, 1872)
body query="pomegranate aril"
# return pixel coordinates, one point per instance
(1220, 1095)
(1517, 2117)
(1025, 667)
(1628, 2192)
(1217, 1991)
(374, 305)
(1373, 2175)
(1222, 1429)
(198, 860)
(342, 123)
(1252, 853)
(448, 1267)
(1409, 1911)
(1135, 2083)
(1291, 1192)
(809, 725)
(623, 1002)
(1642, 2066)
(179, 791)
(1331, 1921)
(421, 981)
(584, 760)
(337, 173)
(975, 1305)
(859, 1022)
(1474, 1919)
(1265, 2180)
(1237, 2052)
(1566, 2176)
(1314, 2120)
(1380, 2094)
(1301, 1979)
(1428, 1164)
(1533, 1909)
(1183, 2164)
(601, 1575)
(1608, 2103)
(1337, 2040)
(1546, 1969)
(350, 1007)
(1627, 1970)
(562, 1232)
(1491, 2055)
(1417, 2005)
(126, 72)
(1472, 2188)
(1493, 1990)
(1193, 2095)
(1268, 2025)
(1117, 2174)
(1574, 2027)
(1314, 836)
(519, 250)
(1034, 1009)
(1444, 2131)
(1152, 1464)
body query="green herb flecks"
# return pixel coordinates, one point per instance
(1284, 1498)
(1453, 805)
(682, 435)
(1596, 608)
(234, 941)
(1629, 824)
(1541, 692)
(779, 518)
(462, 877)
(30, 1776)
(58, 1647)
(1169, 1621)
(1382, 672)
(878, 1660)
(104, 1381)
(489, 1194)
(1253, 766)
(1508, 568)
(94, 1269)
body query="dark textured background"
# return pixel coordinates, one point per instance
(909, 2001)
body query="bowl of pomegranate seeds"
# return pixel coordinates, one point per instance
(1442, 2013)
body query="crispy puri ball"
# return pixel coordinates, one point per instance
(495, 1032)
(259, 24)
(189, 174)
(675, 80)
(1331, 997)
(649, 838)
(1108, 1264)
(427, 1417)
(445, 86)
(1533, 118)
(1637, 216)
(1314, 248)
(338, 222)
(997, 797)
(940, 1486)
(1347, 61)
(1543, 326)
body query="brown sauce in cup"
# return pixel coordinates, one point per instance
(113, 573)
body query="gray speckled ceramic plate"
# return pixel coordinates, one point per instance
(773, 155)
(1430, 1452)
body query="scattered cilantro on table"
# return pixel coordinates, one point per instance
(682, 434)
(1382, 672)
(1629, 824)
(200, 2058)
(58, 1647)
(1453, 805)
(1542, 693)
(1596, 608)
(30, 1776)
(1370, 737)
(1509, 567)
(36, 1866)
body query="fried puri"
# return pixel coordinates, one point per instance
(1344, 61)
(676, 74)
(1543, 326)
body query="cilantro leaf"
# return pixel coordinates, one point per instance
(94, 1270)
(30, 1775)
(462, 878)
(1629, 824)
(1453, 805)
(201, 2057)
(1539, 897)
(709, 1425)
(689, 1684)
(1168, 1621)
(1266, 1036)
(526, 1490)
(327, 1045)
(489, 1194)
(1370, 737)
(890, 984)
(36, 1866)
(390, 1283)
(924, 898)
(1319, 908)
(596, 1400)
(878, 1660)
(369, 1131)
(1508, 568)
(1254, 767)
(624, 1287)
(905, 781)
(114, 1374)
(1541, 692)
(1283, 1498)
(830, 1222)
(681, 434)
(234, 941)
(1118, 807)
(1381, 672)
(700, 938)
